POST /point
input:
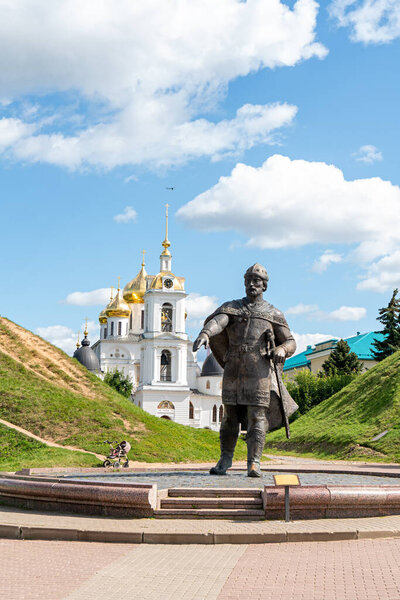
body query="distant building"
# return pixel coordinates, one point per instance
(314, 356)
(143, 334)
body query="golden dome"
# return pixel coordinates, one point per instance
(118, 307)
(135, 290)
(157, 283)
(103, 314)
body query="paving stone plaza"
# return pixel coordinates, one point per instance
(55, 556)
(335, 570)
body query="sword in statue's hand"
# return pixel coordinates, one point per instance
(271, 344)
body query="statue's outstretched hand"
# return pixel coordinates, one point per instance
(202, 340)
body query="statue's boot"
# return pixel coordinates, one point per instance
(228, 441)
(255, 446)
(224, 463)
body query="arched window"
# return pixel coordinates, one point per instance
(166, 317)
(214, 417)
(105, 333)
(130, 321)
(142, 320)
(165, 366)
(208, 384)
(112, 328)
(119, 328)
(191, 411)
(221, 413)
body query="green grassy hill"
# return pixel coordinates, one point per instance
(53, 396)
(343, 426)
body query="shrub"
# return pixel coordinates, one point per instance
(308, 390)
(120, 382)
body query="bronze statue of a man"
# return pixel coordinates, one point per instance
(239, 334)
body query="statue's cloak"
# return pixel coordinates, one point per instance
(219, 345)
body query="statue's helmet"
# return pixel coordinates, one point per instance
(258, 270)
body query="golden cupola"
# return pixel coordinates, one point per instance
(135, 290)
(103, 314)
(118, 307)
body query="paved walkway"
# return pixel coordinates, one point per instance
(346, 570)
(33, 525)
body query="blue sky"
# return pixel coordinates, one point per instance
(276, 122)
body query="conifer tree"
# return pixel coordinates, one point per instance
(342, 361)
(389, 316)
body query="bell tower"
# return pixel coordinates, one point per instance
(164, 338)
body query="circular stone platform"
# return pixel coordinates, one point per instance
(233, 479)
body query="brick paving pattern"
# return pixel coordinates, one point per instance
(50, 570)
(163, 573)
(347, 570)
(354, 570)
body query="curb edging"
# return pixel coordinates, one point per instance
(211, 538)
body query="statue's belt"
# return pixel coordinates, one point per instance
(241, 348)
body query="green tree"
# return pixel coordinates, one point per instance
(308, 389)
(342, 361)
(389, 316)
(120, 382)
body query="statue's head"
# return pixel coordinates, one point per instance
(255, 280)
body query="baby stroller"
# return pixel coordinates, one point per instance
(117, 455)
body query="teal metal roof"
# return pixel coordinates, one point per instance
(361, 344)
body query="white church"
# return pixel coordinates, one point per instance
(142, 334)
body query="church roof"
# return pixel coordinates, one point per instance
(135, 290)
(86, 356)
(211, 367)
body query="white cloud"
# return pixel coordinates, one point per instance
(295, 203)
(382, 275)
(99, 297)
(131, 178)
(199, 307)
(63, 337)
(147, 73)
(371, 21)
(326, 259)
(312, 311)
(310, 339)
(368, 154)
(129, 214)
(348, 313)
(12, 131)
(301, 309)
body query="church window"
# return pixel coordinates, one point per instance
(208, 384)
(111, 355)
(119, 328)
(165, 366)
(112, 328)
(130, 321)
(191, 411)
(142, 320)
(166, 404)
(166, 317)
(221, 413)
(105, 333)
(214, 416)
